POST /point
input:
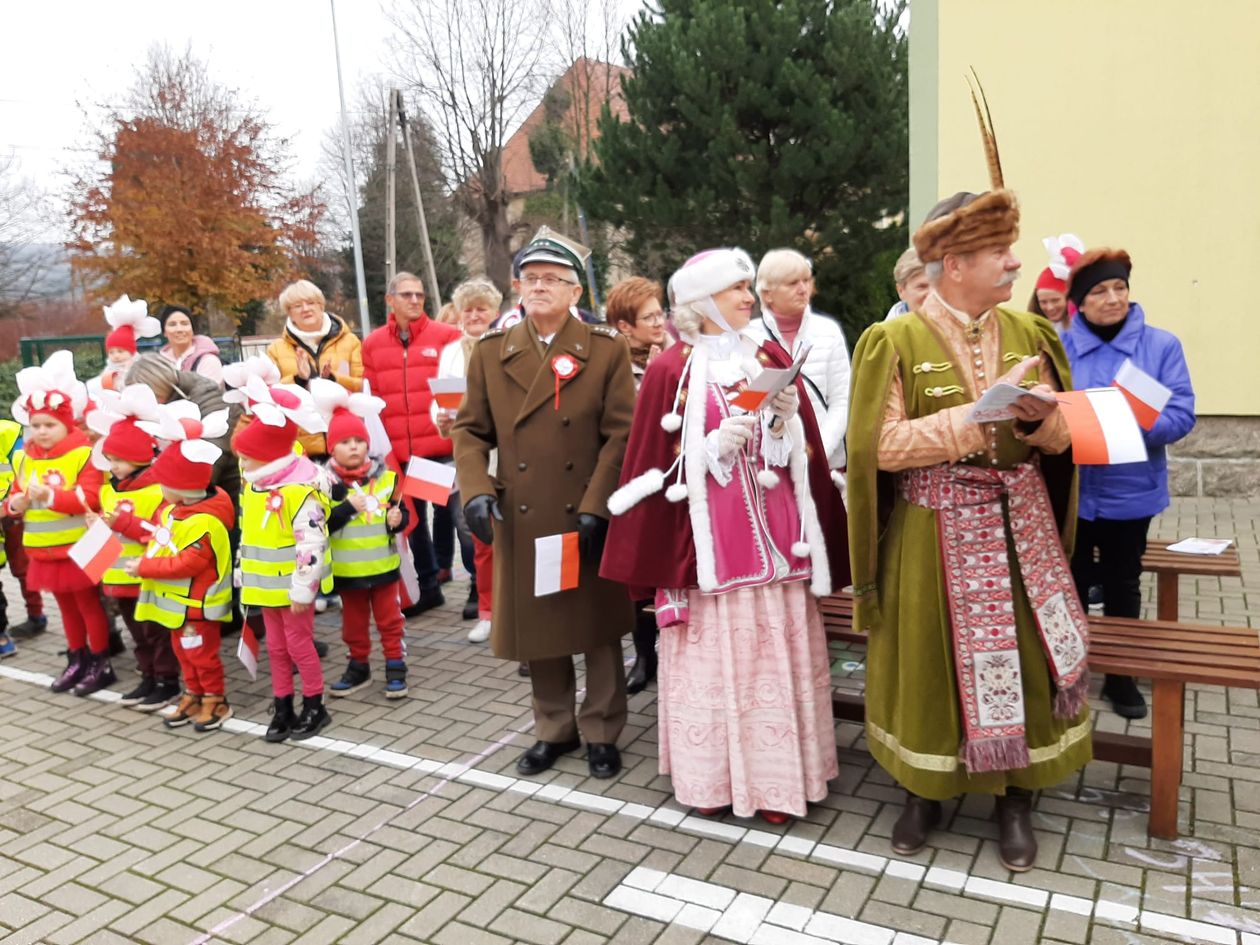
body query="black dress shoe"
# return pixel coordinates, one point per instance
(605, 760)
(544, 754)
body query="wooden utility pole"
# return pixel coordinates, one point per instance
(434, 291)
(391, 245)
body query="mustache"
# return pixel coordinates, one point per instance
(1007, 279)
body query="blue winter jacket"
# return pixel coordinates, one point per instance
(1132, 490)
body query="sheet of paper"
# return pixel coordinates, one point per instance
(1201, 546)
(769, 382)
(998, 403)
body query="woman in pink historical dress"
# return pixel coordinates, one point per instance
(727, 516)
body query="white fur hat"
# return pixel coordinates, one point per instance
(709, 272)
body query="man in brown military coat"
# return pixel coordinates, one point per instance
(555, 396)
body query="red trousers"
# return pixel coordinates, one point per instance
(483, 564)
(196, 647)
(18, 563)
(83, 619)
(358, 606)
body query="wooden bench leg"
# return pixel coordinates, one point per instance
(1167, 739)
(1167, 594)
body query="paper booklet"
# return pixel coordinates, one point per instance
(1201, 546)
(998, 403)
(769, 382)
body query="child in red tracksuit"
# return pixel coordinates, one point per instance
(364, 518)
(54, 488)
(129, 500)
(186, 578)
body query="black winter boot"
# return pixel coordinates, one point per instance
(282, 719)
(313, 720)
(644, 669)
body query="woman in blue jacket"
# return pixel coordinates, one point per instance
(1117, 503)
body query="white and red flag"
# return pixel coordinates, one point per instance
(247, 650)
(96, 552)
(1104, 431)
(448, 391)
(1147, 396)
(429, 481)
(555, 563)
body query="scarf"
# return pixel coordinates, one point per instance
(311, 339)
(972, 535)
(351, 476)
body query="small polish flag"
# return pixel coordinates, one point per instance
(555, 563)
(409, 592)
(96, 552)
(448, 391)
(429, 481)
(1147, 396)
(1104, 432)
(247, 650)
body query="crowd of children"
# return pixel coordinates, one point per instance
(75, 458)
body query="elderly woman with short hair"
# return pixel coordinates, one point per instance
(912, 284)
(785, 285)
(315, 343)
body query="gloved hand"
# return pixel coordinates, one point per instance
(478, 513)
(733, 433)
(785, 403)
(592, 530)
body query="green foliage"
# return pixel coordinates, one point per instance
(762, 125)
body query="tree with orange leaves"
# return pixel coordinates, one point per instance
(190, 206)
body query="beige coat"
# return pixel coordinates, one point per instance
(553, 465)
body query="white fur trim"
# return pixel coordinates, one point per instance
(635, 491)
(671, 422)
(694, 465)
(768, 478)
(800, 549)
(677, 492)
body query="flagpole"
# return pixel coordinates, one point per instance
(352, 190)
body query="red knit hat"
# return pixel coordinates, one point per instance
(128, 442)
(263, 442)
(344, 413)
(345, 425)
(176, 471)
(1064, 250)
(188, 462)
(53, 404)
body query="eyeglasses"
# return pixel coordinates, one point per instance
(656, 319)
(548, 280)
(410, 296)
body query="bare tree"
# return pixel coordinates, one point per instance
(24, 261)
(477, 68)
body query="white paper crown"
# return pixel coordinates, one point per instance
(135, 313)
(181, 425)
(276, 404)
(1064, 250)
(42, 384)
(329, 397)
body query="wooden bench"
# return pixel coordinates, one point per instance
(1168, 566)
(1169, 654)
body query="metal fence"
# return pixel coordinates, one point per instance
(91, 348)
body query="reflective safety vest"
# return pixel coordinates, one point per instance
(166, 602)
(268, 547)
(44, 528)
(364, 547)
(142, 503)
(10, 433)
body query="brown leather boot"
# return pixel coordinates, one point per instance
(185, 711)
(1017, 844)
(214, 711)
(910, 832)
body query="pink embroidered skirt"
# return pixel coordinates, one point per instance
(744, 702)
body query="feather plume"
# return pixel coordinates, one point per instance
(987, 134)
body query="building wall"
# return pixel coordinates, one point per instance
(1131, 123)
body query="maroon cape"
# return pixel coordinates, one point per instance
(651, 545)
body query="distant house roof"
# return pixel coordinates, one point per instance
(590, 83)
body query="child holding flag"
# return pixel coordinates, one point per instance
(186, 575)
(365, 517)
(55, 487)
(284, 547)
(10, 437)
(129, 500)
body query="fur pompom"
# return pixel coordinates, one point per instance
(671, 423)
(800, 549)
(768, 478)
(677, 492)
(635, 491)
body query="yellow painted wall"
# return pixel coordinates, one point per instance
(1132, 123)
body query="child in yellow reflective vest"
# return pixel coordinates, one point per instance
(55, 486)
(129, 501)
(362, 523)
(10, 437)
(284, 549)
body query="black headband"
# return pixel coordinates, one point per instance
(1100, 271)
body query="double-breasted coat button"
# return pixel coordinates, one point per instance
(521, 466)
(564, 421)
(569, 507)
(569, 464)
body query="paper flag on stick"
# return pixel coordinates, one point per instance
(555, 563)
(429, 481)
(448, 391)
(247, 650)
(96, 552)
(409, 592)
(1147, 396)
(1104, 432)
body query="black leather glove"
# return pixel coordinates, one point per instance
(592, 530)
(478, 513)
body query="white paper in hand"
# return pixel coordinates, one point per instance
(998, 403)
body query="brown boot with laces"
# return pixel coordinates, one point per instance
(214, 712)
(186, 710)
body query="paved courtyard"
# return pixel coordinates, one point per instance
(407, 822)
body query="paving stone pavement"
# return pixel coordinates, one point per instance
(407, 823)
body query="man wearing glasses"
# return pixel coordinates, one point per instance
(399, 359)
(555, 397)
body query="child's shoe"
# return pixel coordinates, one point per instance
(313, 720)
(164, 690)
(140, 693)
(282, 719)
(214, 712)
(7, 646)
(480, 632)
(395, 679)
(98, 675)
(356, 676)
(30, 627)
(188, 708)
(76, 666)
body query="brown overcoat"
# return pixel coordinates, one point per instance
(553, 464)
